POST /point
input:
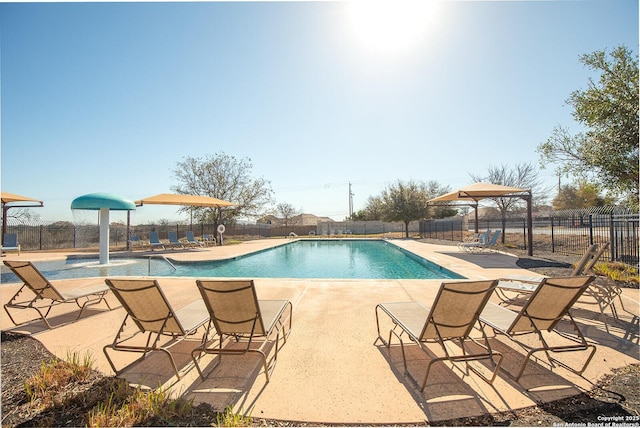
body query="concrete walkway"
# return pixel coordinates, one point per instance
(330, 370)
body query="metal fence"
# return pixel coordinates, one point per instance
(366, 228)
(581, 228)
(67, 235)
(563, 232)
(450, 229)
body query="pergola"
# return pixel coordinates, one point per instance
(475, 192)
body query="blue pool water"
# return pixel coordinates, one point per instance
(345, 259)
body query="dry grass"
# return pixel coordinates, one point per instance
(618, 272)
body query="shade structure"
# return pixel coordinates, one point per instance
(11, 198)
(104, 202)
(187, 200)
(477, 191)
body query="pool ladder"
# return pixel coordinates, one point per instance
(159, 257)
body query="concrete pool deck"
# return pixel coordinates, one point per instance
(330, 370)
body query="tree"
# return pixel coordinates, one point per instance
(373, 211)
(359, 216)
(522, 176)
(22, 215)
(286, 212)
(407, 201)
(582, 195)
(224, 177)
(435, 189)
(608, 150)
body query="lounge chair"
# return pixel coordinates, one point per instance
(478, 237)
(603, 293)
(135, 241)
(10, 243)
(150, 311)
(209, 239)
(544, 309)
(479, 246)
(191, 240)
(174, 241)
(452, 317)
(154, 241)
(46, 296)
(238, 316)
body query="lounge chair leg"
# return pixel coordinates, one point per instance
(404, 357)
(380, 338)
(200, 350)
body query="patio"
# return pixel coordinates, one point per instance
(330, 370)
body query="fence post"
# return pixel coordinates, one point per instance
(590, 229)
(553, 247)
(41, 246)
(612, 239)
(524, 232)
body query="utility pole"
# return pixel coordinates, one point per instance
(350, 202)
(559, 183)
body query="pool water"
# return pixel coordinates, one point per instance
(331, 259)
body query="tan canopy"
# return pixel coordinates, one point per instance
(10, 197)
(478, 191)
(188, 200)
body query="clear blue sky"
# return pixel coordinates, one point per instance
(108, 97)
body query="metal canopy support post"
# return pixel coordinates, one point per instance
(475, 207)
(529, 198)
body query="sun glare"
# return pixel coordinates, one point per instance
(390, 27)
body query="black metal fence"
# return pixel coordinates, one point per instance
(450, 229)
(581, 228)
(65, 235)
(564, 232)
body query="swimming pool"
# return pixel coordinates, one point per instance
(330, 259)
